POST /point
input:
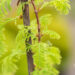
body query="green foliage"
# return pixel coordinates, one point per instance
(4, 9)
(52, 34)
(43, 52)
(61, 5)
(45, 57)
(38, 1)
(46, 71)
(8, 61)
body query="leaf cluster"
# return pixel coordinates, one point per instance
(46, 56)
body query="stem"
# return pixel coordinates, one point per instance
(37, 17)
(26, 21)
(18, 2)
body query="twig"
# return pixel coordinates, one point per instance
(18, 2)
(36, 14)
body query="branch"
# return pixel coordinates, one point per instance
(18, 2)
(26, 21)
(36, 14)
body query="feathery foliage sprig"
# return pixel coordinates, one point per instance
(45, 56)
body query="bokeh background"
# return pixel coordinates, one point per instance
(71, 25)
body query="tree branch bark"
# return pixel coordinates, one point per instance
(26, 21)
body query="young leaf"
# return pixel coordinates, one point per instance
(61, 5)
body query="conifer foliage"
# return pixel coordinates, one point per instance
(45, 55)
